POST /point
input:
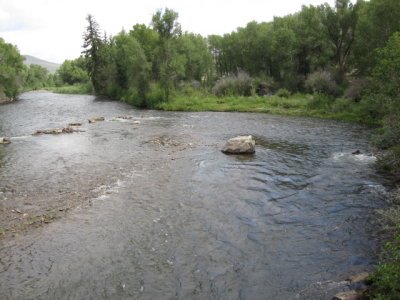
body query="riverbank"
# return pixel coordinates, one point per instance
(304, 105)
(5, 100)
(385, 280)
(301, 105)
(75, 89)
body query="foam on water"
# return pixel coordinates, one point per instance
(367, 158)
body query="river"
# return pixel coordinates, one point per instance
(147, 206)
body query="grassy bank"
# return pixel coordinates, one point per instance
(386, 278)
(320, 106)
(304, 105)
(78, 89)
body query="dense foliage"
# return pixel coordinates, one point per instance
(321, 49)
(11, 71)
(16, 77)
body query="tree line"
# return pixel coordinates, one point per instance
(15, 76)
(331, 50)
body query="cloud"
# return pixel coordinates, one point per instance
(53, 29)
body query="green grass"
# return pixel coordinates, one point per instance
(386, 278)
(295, 105)
(78, 89)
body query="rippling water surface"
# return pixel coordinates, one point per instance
(161, 213)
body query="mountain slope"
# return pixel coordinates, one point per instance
(51, 67)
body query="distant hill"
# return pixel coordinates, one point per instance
(51, 67)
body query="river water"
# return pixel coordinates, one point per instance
(158, 212)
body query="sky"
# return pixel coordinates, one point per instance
(52, 29)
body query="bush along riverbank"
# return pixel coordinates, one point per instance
(385, 280)
(77, 89)
(310, 105)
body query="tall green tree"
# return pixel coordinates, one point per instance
(131, 65)
(11, 70)
(196, 58)
(148, 40)
(73, 71)
(340, 23)
(166, 24)
(97, 55)
(313, 49)
(387, 70)
(284, 44)
(378, 20)
(36, 77)
(385, 93)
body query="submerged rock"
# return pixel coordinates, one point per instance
(4, 99)
(357, 152)
(362, 277)
(349, 295)
(75, 124)
(240, 145)
(56, 131)
(94, 120)
(4, 140)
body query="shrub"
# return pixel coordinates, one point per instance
(293, 82)
(389, 135)
(77, 88)
(283, 93)
(131, 96)
(341, 105)
(264, 86)
(386, 279)
(390, 160)
(234, 85)
(320, 101)
(356, 88)
(322, 82)
(188, 87)
(155, 96)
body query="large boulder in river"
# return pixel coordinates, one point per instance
(240, 145)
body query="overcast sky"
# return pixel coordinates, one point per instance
(52, 29)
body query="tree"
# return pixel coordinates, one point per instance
(73, 71)
(148, 40)
(96, 54)
(385, 94)
(313, 51)
(378, 20)
(340, 23)
(197, 59)
(131, 65)
(284, 43)
(11, 70)
(36, 77)
(387, 71)
(166, 25)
